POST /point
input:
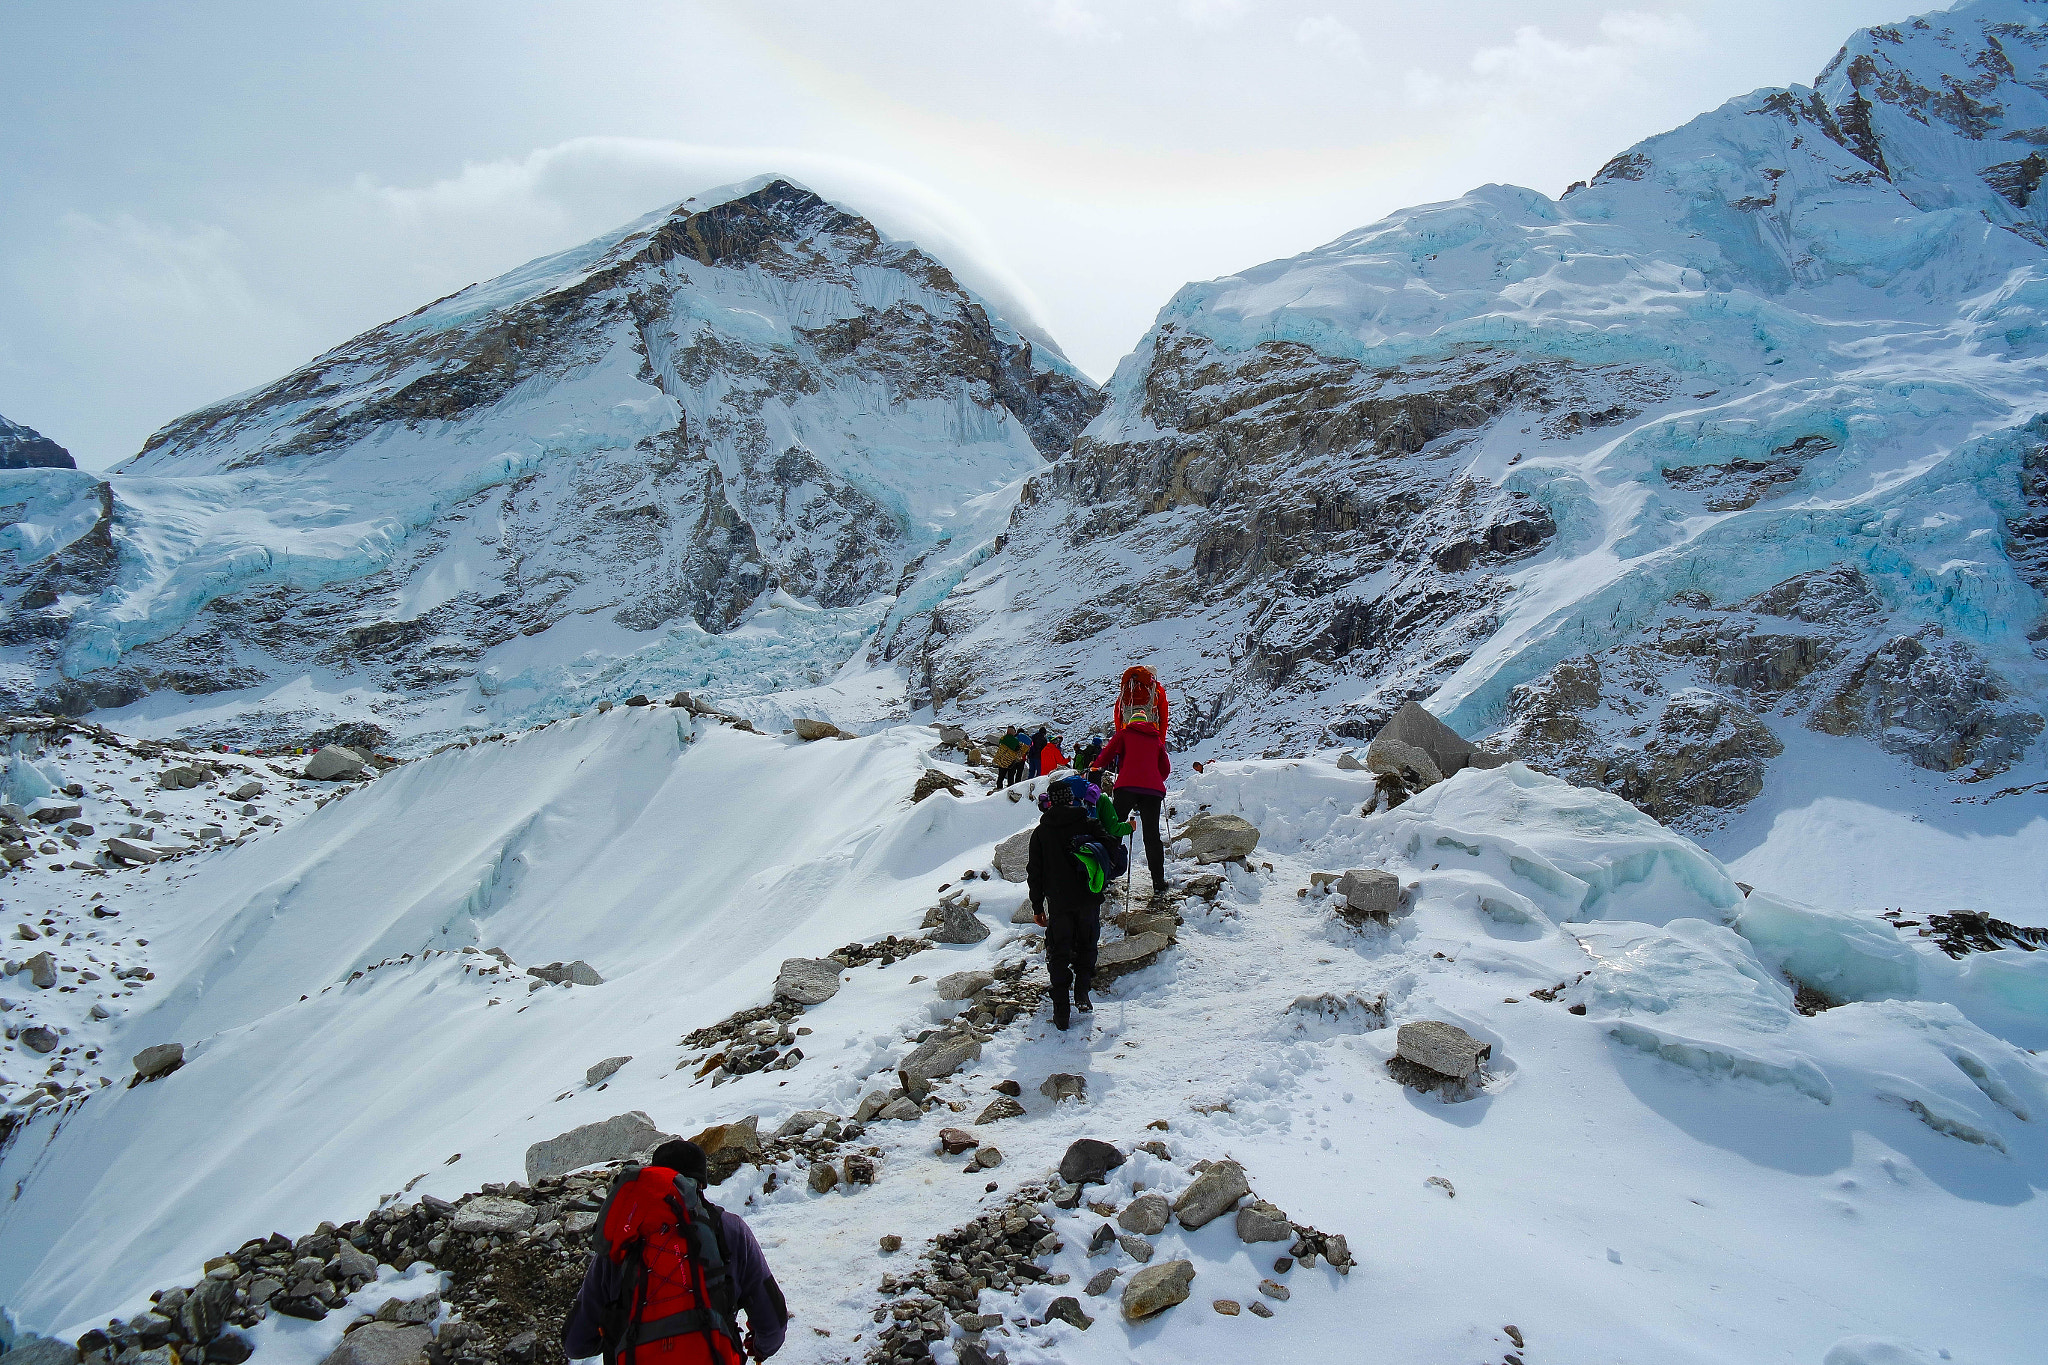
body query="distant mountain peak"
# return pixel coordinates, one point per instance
(25, 448)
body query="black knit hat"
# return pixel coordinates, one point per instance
(684, 1158)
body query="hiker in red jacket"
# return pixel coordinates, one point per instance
(1137, 753)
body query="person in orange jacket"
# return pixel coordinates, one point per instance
(1050, 759)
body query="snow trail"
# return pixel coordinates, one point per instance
(1645, 1180)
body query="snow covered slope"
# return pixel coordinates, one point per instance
(1743, 434)
(573, 481)
(1668, 1161)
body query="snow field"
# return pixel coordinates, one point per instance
(1691, 1171)
(74, 898)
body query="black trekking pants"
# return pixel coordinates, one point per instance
(1147, 805)
(1072, 930)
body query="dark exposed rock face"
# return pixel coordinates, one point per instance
(1931, 700)
(1304, 518)
(1671, 722)
(25, 448)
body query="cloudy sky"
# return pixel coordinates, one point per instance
(194, 198)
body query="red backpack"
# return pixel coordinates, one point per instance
(676, 1295)
(1141, 697)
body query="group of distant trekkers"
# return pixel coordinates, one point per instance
(1020, 757)
(670, 1272)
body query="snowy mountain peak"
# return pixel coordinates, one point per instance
(1539, 461)
(578, 479)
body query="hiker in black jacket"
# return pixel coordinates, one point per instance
(1061, 902)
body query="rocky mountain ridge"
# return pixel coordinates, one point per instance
(1440, 457)
(585, 476)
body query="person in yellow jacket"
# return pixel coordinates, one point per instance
(1010, 763)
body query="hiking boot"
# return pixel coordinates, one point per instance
(1083, 1003)
(1060, 1018)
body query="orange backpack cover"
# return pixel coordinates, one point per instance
(1141, 697)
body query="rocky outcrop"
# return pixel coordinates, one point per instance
(1674, 720)
(807, 980)
(1934, 701)
(1214, 837)
(614, 1139)
(1271, 486)
(1157, 1288)
(25, 448)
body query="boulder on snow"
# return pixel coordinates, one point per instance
(407, 1312)
(1146, 1215)
(577, 973)
(1409, 762)
(1369, 892)
(615, 1139)
(1215, 1192)
(205, 1310)
(1218, 838)
(178, 778)
(1128, 955)
(808, 730)
(956, 923)
(131, 851)
(727, 1145)
(940, 1055)
(1448, 751)
(1444, 1049)
(159, 1060)
(603, 1070)
(807, 980)
(382, 1343)
(1012, 854)
(935, 781)
(1064, 1085)
(40, 1038)
(802, 1121)
(1348, 762)
(1157, 1288)
(1001, 1107)
(492, 1215)
(952, 736)
(960, 985)
(1260, 1221)
(1088, 1161)
(248, 791)
(334, 763)
(42, 970)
